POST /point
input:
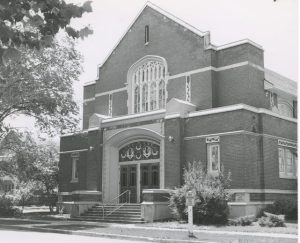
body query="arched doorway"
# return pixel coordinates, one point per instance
(146, 170)
(139, 163)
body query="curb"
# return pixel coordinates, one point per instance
(95, 234)
(257, 234)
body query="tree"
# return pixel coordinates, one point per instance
(39, 85)
(24, 192)
(47, 172)
(35, 165)
(34, 23)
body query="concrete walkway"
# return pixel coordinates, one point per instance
(139, 232)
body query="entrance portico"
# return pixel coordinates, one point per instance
(133, 159)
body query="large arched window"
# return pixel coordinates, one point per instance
(147, 84)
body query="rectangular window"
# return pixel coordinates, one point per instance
(146, 34)
(295, 108)
(287, 159)
(188, 88)
(110, 105)
(213, 157)
(75, 169)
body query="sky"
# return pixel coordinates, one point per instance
(274, 25)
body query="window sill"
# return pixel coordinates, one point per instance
(288, 177)
(74, 181)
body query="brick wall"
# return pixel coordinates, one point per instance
(201, 90)
(243, 84)
(65, 173)
(221, 122)
(119, 103)
(94, 161)
(173, 153)
(239, 154)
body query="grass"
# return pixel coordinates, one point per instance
(291, 228)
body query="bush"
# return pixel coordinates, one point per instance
(287, 207)
(7, 207)
(210, 196)
(242, 221)
(271, 220)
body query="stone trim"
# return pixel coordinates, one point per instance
(216, 69)
(72, 151)
(82, 192)
(275, 191)
(151, 191)
(285, 143)
(235, 43)
(235, 133)
(111, 92)
(249, 203)
(238, 107)
(154, 203)
(80, 202)
(89, 99)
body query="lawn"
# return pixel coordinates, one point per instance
(291, 227)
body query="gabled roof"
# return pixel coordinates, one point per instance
(180, 22)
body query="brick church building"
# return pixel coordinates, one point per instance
(166, 96)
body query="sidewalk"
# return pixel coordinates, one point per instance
(139, 232)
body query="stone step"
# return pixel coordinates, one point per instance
(121, 217)
(117, 212)
(107, 220)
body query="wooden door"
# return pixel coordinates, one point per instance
(128, 182)
(149, 177)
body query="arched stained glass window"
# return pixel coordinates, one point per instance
(148, 84)
(137, 99)
(145, 98)
(161, 95)
(153, 98)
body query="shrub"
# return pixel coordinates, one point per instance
(7, 207)
(287, 207)
(210, 195)
(242, 221)
(271, 220)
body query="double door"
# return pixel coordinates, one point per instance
(149, 179)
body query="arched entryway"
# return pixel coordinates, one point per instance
(139, 164)
(133, 159)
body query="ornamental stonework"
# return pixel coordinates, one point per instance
(140, 150)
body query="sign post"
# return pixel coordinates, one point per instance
(190, 202)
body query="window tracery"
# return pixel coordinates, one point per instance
(141, 150)
(148, 85)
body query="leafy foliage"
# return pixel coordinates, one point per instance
(34, 23)
(271, 220)
(7, 206)
(35, 165)
(39, 85)
(211, 197)
(242, 221)
(287, 207)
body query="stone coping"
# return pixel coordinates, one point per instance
(82, 192)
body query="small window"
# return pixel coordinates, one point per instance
(295, 109)
(146, 34)
(188, 88)
(110, 105)
(213, 157)
(75, 169)
(287, 159)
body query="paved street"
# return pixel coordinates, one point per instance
(72, 231)
(10, 236)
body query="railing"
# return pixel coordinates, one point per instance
(115, 201)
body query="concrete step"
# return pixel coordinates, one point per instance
(117, 217)
(107, 220)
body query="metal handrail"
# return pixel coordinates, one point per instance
(117, 197)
